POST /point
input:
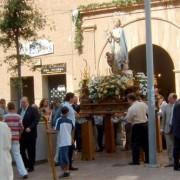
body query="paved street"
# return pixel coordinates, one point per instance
(110, 167)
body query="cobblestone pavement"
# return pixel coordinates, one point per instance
(109, 167)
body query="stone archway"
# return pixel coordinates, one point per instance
(165, 35)
(163, 66)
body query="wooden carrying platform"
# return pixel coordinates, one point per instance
(106, 110)
(88, 144)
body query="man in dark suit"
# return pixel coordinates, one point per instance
(176, 133)
(30, 119)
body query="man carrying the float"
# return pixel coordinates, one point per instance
(137, 116)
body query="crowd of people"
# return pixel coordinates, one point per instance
(135, 123)
(20, 136)
(18, 131)
(169, 115)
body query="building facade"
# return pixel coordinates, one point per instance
(60, 67)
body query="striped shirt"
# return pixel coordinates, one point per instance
(14, 122)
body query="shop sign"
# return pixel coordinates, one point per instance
(54, 68)
(37, 48)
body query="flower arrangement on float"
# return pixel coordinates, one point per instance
(112, 86)
(141, 81)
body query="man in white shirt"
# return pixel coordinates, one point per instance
(71, 114)
(137, 116)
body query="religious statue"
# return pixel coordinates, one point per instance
(118, 57)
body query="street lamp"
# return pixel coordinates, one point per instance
(151, 96)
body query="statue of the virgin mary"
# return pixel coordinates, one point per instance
(118, 45)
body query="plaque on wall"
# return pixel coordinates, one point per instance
(37, 48)
(53, 69)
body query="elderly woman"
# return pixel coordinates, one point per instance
(6, 171)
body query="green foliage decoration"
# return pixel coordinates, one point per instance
(78, 34)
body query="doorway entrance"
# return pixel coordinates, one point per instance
(163, 67)
(54, 86)
(28, 88)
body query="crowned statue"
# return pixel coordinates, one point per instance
(118, 57)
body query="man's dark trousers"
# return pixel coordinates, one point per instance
(100, 134)
(28, 151)
(71, 150)
(140, 141)
(78, 136)
(176, 152)
(176, 133)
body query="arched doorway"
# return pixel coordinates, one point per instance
(163, 67)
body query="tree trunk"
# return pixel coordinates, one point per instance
(18, 58)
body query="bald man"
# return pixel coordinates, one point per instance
(30, 118)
